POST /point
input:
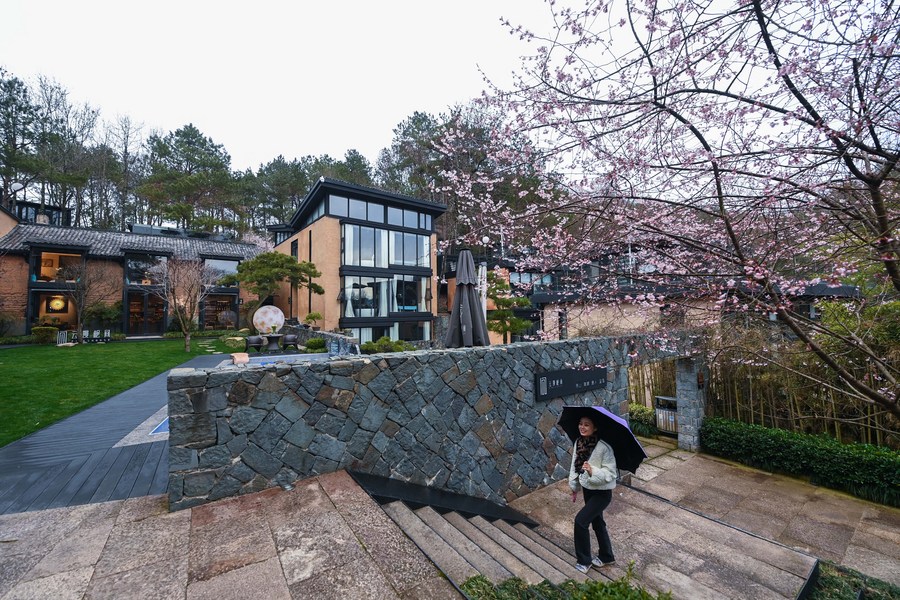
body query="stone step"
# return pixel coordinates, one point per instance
(567, 545)
(534, 560)
(448, 560)
(548, 551)
(473, 553)
(512, 563)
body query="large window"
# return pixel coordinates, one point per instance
(380, 296)
(338, 206)
(144, 270)
(365, 246)
(222, 267)
(407, 331)
(411, 294)
(410, 249)
(56, 266)
(366, 296)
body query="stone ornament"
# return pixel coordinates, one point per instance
(268, 319)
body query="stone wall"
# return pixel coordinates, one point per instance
(691, 376)
(460, 420)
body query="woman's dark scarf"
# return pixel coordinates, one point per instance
(583, 449)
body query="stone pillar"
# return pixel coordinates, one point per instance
(690, 389)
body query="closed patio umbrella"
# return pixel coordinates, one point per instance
(467, 325)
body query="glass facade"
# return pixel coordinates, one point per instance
(382, 296)
(222, 267)
(375, 247)
(144, 270)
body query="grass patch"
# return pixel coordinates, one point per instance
(837, 583)
(43, 384)
(834, 583)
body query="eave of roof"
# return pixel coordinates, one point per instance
(115, 244)
(326, 185)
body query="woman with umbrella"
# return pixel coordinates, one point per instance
(594, 471)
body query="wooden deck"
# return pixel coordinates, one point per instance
(76, 461)
(98, 476)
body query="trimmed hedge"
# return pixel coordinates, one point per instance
(866, 471)
(44, 335)
(642, 420)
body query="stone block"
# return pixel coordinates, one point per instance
(181, 378)
(260, 461)
(382, 385)
(237, 444)
(242, 392)
(216, 456)
(223, 430)
(300, 434)
(181, 459)
(360, 442)
(374, 417)
(192, 431)
(180, 403)
(266, 400)
(326, 446)
(241, 472)
(226, 486)
(292, 407)
(299, 460)
(270, 431)
(221, 378)
(246, 419)
(199, 483)
(330, 424)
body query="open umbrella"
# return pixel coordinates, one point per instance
(467, 326)
(612, 429)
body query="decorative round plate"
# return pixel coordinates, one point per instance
(267, 317)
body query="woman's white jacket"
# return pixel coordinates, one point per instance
(603, 467)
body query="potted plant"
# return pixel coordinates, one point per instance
(312, 318)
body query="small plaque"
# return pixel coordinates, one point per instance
(565, 382)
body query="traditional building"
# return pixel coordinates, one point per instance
(35, 261)
(377, 255)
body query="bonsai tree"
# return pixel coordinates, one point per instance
(262, 274)
(312, 318)
(502, 320)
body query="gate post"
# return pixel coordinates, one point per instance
(691, 375)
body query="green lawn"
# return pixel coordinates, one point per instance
(40, 385)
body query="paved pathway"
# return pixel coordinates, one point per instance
(79, 460)
(272, 545)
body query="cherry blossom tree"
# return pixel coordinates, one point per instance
(745, 151)
(184, 283)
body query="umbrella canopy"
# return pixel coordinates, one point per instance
(467, 326)
(611, 428)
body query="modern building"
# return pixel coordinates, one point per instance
(35, 274)
(377, 255)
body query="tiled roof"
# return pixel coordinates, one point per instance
(114, 244)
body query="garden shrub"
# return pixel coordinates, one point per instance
(385, 344)
(16, 339)
(44, 335)
(7, 320)
(866, 471)
(315, 344)
(642, 419)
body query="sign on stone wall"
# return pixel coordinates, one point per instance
(565, 382)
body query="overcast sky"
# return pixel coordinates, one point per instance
(268, 78)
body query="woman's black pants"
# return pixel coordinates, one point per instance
(595, 502)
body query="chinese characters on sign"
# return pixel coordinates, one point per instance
(553, 384)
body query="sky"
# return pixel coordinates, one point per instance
(293, 78)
